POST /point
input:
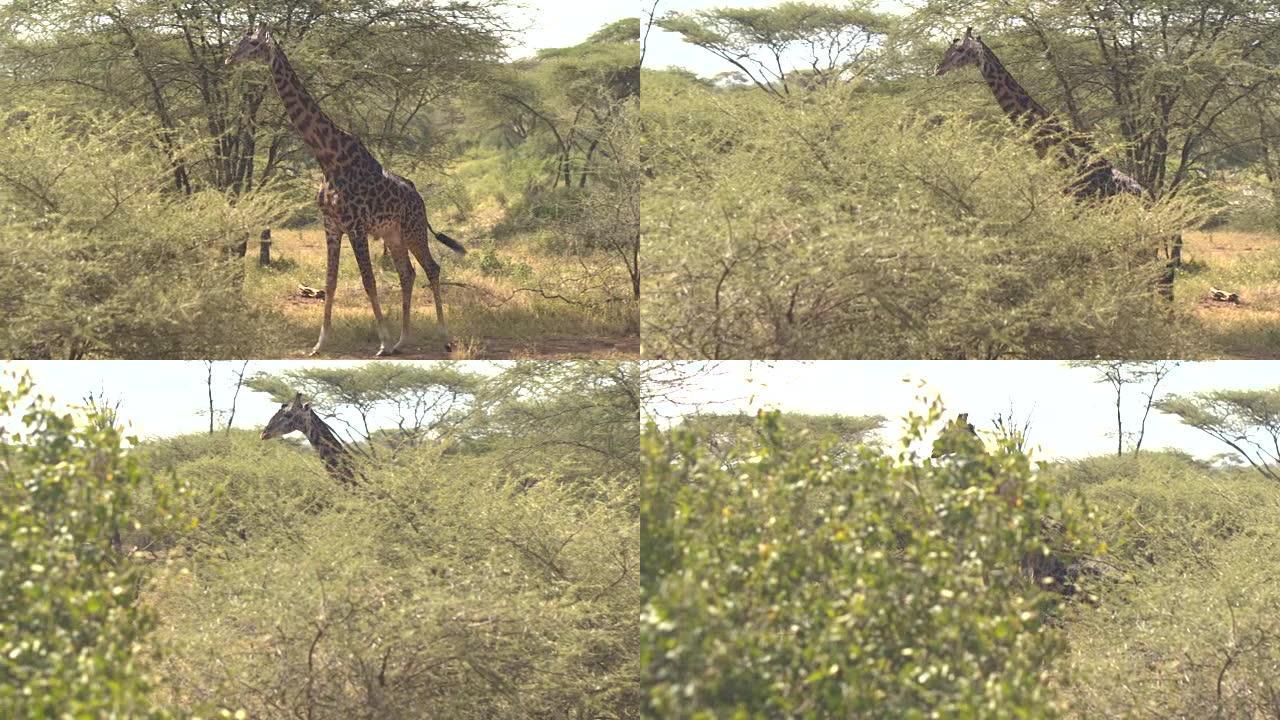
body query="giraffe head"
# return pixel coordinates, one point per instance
(963, 51)
(290, 417)
(255, 45)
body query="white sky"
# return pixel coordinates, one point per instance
(666, 49)
(1072, 416)
(561, 23)
(170, 397)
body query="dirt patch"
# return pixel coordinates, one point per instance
(501, 348)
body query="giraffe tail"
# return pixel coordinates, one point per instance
(450, 242)
(447, 241)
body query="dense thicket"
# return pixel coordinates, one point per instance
(474, 570)
(832, 198)
(100, 259)
(784, 579)
(1187, 625)
(817, 233)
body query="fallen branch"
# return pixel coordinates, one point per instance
(539, 291)
(1223, 296)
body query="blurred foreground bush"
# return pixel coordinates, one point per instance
(72, 627)
(780, 581)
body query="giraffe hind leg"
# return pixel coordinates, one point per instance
(404, 267)
(417, 243)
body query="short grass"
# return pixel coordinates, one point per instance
(1247, 263)
(495, 297)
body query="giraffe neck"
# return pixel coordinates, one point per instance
(1013, 99)
(332, 147)
(1097, 177)
(334, 455)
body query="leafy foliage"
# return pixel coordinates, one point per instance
(781, 582)
(488, 570)
(101, 260)
(72, 626)
(1188, 624)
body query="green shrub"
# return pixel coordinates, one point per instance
(781, 582)
(847, 224)
(72, 629)
(1189, 625)
(101, 258)
(434, 584)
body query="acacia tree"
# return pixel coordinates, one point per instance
(1162, 78)
(378, 68)
(831, 43)
(582, 415)
(1146, 375)
(401, 405)
(566, 99)
(1247, 421)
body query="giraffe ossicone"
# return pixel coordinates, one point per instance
(358, 198)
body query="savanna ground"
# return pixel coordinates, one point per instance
(850, 204)
(800, 571)
(497, 314)
(1246, 262)
(138, 171)
(485, 565)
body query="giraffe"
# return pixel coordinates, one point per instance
(1096, 177)
(358, 198)
(952, 435)
(298, 415)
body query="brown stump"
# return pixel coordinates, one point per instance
(264, 248)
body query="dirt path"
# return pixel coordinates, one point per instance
(500, 348)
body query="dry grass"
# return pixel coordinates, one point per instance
(1247, 263)
(504, 299)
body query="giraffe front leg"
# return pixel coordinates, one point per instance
(360, 245)
(333, 242)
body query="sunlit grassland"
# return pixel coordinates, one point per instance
(511, 297)
(1247, 263)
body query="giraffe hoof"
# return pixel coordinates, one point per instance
(314, 351)
(448, 347)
